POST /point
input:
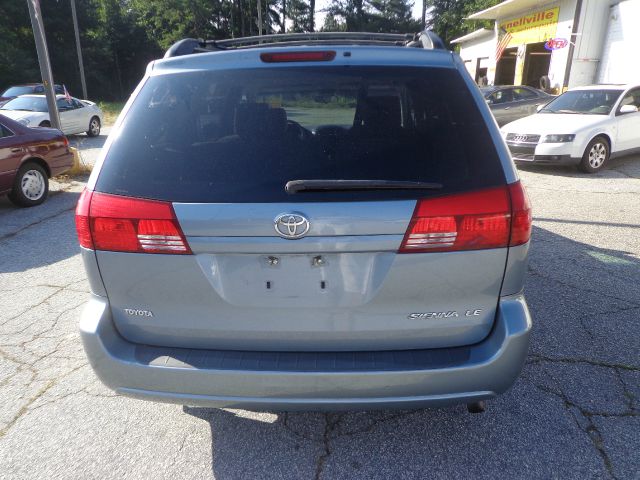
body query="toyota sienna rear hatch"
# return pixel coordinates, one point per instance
(312, 205)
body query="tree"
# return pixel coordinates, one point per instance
(312, 12)
(447, 17)
(373, 15)
(392, 16)
(298, 15)
(120, 37)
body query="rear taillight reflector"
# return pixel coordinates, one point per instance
(492, 218)
(283, 57)
(123, 224)
(82, 219)
(521, 215)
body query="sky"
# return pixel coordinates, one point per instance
(322, 4)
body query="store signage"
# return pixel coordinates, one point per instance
(532, 20)
(532, 27)
(556, 43)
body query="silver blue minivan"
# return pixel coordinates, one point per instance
(306, 222)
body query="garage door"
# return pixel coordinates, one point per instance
(620, 54)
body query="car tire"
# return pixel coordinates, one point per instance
(595, 155)
(31, 186)
(45, 123)
(94, 127)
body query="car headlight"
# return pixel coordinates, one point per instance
(558, 138)
(24, 121)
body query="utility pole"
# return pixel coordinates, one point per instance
(80, 62)
(259, 19)
(43, 60)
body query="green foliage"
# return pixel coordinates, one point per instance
(120, 37)
(111, 110)
(446, 17)
(392, 16)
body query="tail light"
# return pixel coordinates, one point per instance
(492, 218)
(282, 57)
(124, 224)
(520, 215)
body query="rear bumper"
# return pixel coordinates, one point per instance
(309, 381)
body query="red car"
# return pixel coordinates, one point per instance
(28, 158)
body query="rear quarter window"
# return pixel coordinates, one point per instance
(241, 135)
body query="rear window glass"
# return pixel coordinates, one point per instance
(241, 135)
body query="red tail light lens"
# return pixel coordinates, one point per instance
(82, 219)
(123, 224)
(521, 215)
(281, 57)
(470, 221)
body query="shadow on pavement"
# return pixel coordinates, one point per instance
(38, 236)
(578, 295)
(83, 142)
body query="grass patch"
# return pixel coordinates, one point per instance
(79, 168)
(111, 111)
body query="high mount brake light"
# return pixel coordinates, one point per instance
(283, 57)
(124, 224)
(491, 218)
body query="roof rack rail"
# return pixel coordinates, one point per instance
(425, 39)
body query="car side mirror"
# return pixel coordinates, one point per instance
(489, 101)
(628, 109)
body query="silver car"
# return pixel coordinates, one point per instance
(509, 103)
(326, 223)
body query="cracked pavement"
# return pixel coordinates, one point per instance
(574, 412)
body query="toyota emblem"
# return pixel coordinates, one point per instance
(291, 225)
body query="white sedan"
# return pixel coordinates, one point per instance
(76, 116)
(585, 127)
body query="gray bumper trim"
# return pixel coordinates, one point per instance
(547, 160)
(491, 368)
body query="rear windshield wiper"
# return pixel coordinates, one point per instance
(296, 186)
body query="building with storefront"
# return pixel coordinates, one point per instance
(555, 44)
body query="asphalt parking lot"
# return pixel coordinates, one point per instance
(574, 413)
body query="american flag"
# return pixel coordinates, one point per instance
(66, 94)
(502, 44)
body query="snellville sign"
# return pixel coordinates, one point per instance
(533, 27)
(533, 20)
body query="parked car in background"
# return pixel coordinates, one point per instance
(509, 103)
(28, 158)
(76, 116)
(585, 127)
(26, 89)
(306, 226)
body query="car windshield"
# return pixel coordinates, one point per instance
(15, 91)
(30, 104)
(591, 102)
